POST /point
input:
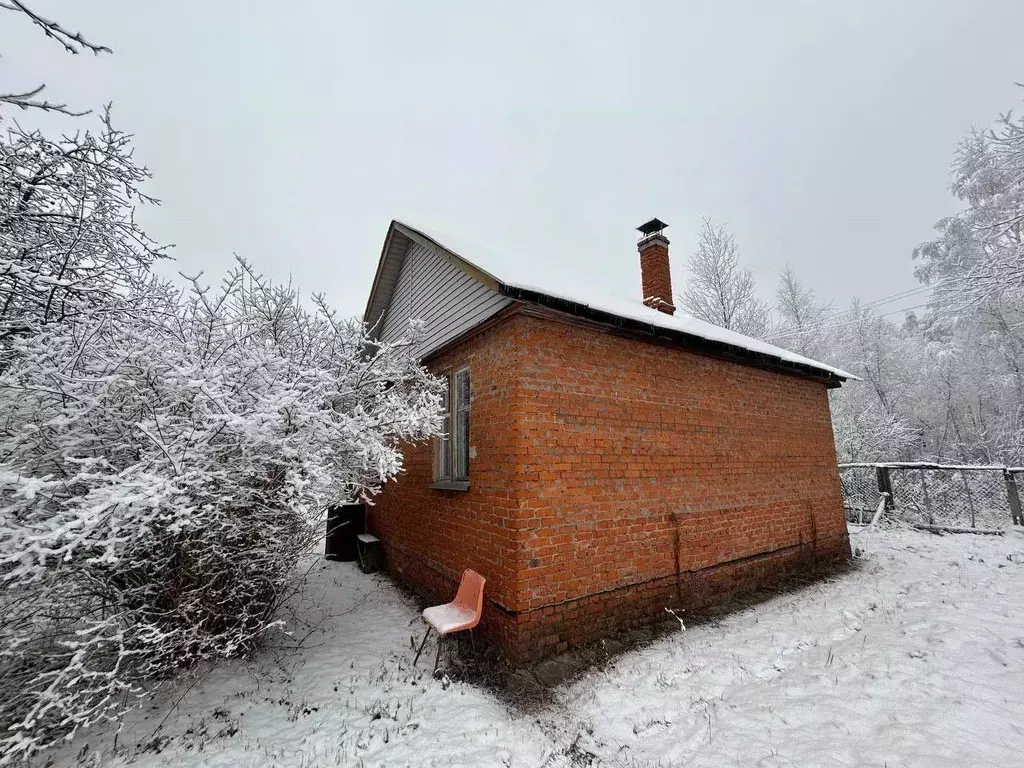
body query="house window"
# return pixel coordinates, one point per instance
(451, 462)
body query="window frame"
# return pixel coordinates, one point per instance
(451, 453)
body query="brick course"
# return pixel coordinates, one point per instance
(655, 274)
(611, 478)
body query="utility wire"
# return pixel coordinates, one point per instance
(847, 323)
(869, 305)
(888, 299)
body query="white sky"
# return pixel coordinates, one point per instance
(292, 132)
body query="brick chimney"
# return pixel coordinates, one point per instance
(654, 270)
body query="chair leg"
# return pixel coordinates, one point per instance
(437, 658)
(423, 643)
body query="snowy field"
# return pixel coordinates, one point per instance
(914, 658)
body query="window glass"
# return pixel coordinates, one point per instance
(451, 461)
(444, 458)
(462, 398)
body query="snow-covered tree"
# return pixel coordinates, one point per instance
(69, 242)
(802, 320)
(979, 254)
(165, 454)
(872, 418)
(864, 431)
(162, 471)
(976, 315)
(969, 397)
(718, 289)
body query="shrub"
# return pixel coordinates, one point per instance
(163, 466)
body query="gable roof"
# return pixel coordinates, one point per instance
(627, 314)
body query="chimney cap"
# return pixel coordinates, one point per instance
(652, 227)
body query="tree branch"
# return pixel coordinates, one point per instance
(72, 41)
(26, 101)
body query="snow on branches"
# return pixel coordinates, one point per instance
(162, 469)
(166, 453)
(68, 238)
(72, 42)
(719, 290)
(979, 255)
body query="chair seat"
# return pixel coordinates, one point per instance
(449, 618)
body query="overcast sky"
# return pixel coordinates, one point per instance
(292, 132)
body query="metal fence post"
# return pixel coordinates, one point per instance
(927, 504)
(1013, 497)
(970, 499)
(885, 485)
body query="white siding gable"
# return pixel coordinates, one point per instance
(433, 289)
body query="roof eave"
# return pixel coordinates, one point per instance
(711, 347)
(375, 287)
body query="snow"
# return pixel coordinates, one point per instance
(448, 618)
(506, 270)
(914, 657)
(924, 465)
(632, 309)
(347, 693)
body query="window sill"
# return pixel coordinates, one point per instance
(450, 485)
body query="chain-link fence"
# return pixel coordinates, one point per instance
(945, 496)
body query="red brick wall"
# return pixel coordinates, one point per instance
(613, 478)
(431, 536)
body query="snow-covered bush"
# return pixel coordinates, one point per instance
(162, 469)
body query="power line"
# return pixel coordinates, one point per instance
(847, 323)
(875, 303)
(905, 294)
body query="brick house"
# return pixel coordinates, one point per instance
(605, 458)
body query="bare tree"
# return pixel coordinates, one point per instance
(73, 42)
(718, 290)
(802, 318)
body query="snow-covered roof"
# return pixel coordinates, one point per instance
(508, 273)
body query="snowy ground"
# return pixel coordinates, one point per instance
(914, 658)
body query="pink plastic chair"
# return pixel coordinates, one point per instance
(461, 613)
